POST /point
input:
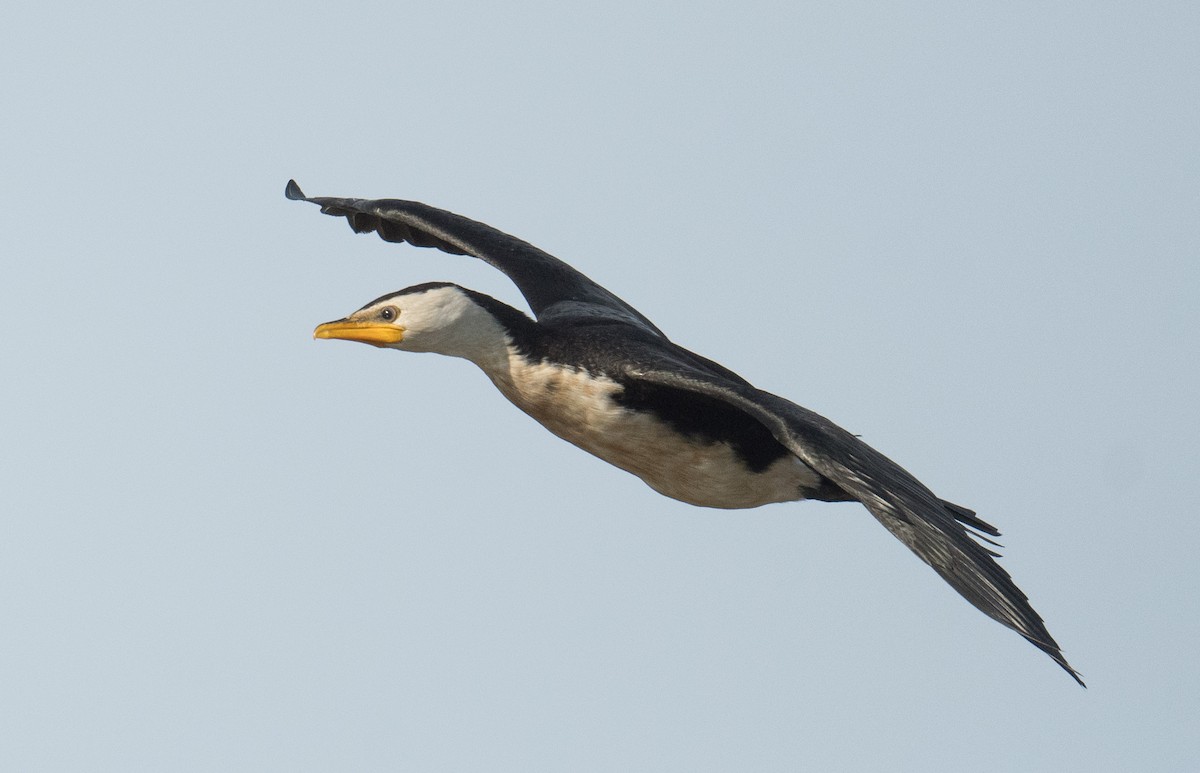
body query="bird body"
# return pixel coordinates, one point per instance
(571, 382)
(597, 373)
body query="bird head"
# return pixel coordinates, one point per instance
(434, 317)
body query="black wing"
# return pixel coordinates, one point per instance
(909, 510)
(543, 279)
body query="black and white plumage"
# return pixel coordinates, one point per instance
(596, 372)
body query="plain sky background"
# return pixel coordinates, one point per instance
(967, 232)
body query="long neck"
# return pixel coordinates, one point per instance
(488, 333)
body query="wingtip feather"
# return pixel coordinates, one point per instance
(1061, 660)
(293, 192)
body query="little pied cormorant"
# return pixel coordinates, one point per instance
(598, 374)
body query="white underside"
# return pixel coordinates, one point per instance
(578, 407)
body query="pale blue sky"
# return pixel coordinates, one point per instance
(968, 234)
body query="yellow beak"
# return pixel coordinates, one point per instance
(374, 333)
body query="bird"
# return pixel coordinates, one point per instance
(599, 374)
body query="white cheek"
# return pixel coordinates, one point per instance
(446, 322)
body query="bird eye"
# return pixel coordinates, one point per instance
(388, 314)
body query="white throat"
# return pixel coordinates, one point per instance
(449, 322)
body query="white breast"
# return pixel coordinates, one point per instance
(578, 407)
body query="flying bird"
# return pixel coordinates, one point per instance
(596, 372)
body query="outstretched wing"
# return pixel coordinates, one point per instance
(909, 510)
(548, 284)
